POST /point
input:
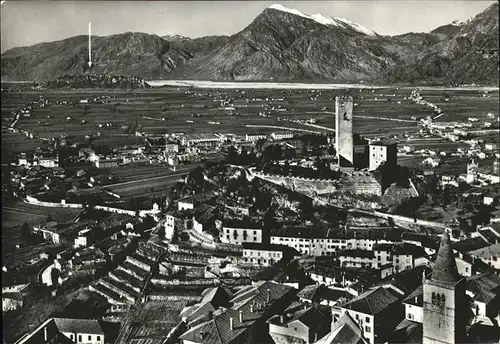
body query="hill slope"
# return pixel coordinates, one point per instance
(283, 45)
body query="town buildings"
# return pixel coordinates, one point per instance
(245, 320)
(300, 323)
(65, 330)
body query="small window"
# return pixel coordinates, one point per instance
(98, 337)
(367, 319)
(90, 337)
(79, 337)
(368, 329)
(71, 336)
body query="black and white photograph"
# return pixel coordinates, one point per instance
(250, 172)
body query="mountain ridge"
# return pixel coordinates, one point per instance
(278, 45)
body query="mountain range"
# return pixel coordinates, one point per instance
(280, 44)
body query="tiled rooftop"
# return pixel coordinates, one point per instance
(373, 301)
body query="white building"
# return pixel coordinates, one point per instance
(255, 137)
(48, 162)
(239, 231)
(185, 205)
(382, 152)
(266, 255)
(489, 255)
(79, 331)
(281, 135)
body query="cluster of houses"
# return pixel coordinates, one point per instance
(279, 306)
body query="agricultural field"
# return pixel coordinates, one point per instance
(154, 186)
(16, 213)
(172, 110)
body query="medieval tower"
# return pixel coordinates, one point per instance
(343, 131)
(445, 306)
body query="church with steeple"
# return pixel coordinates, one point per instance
(445, 305)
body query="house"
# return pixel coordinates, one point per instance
(171, 147)
(489, 255)
(212, 300)
(344, 331)
(281, 135)
(309, 240)
(357, 258)
(235, 231)
(491, 146)
(107, 162)
(12, 301)
(429, 244)
(267, 254)
(237, 208)
(382, 152)
(185, 204)
(169, 227)
(84, 238)
(255, 137)
(320, 294)
(484, 289)
(245, 320)
(301, 323)
(66, 330)
(375, 312)
(48, 162)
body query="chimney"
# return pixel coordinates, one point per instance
(45, 335)
(241, 317)
(251, 308)
(268, 295)
(231, 324)
(282, 319)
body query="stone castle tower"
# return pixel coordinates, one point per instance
(343, 131)
(445, 305)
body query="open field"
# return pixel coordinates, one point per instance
(377, 112)
(285, 85)
(146, 187)
(127, 173)
(172, 110)
(15, 214)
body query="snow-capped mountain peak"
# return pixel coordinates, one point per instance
(329, 21)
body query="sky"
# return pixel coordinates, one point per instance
(25, 23)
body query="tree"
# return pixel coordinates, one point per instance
(49, 218)
(26, 233)
(54, 276)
